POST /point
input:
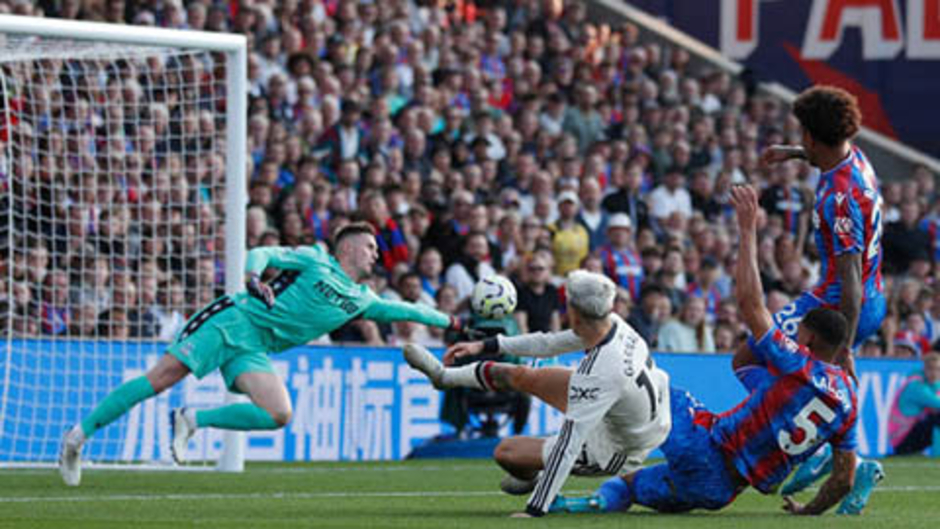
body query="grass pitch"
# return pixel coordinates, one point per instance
(413, 494)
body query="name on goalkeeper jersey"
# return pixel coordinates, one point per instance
(335, 297)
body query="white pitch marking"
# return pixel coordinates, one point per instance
(327, 495)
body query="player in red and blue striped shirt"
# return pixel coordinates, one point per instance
(848, 224)
(807, 401)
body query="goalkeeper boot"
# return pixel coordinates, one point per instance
(867, 477)
(592, 503)
(518, 487)
(70, 456)
(817, 466)
(183, 426)
(421, 359)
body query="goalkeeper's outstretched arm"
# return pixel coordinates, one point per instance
(387, 311)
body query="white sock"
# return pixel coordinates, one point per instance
(189, 415)
(464, 377)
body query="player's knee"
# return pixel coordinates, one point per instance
(505, 451)
(282, 417)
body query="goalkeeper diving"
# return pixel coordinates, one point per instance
(314, 294)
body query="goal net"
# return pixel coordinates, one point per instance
(117, 221)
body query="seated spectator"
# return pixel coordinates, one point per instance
(671, 197)
(619, 258)
(689, 333)
(410, 289)
(591, 216)
(705, 287)
(538, 305)
(903, 240)
(471, 265)
(650, 313)
(909, 344)
(915, 414)
(171, 298)
(570, 239)
(55, 310)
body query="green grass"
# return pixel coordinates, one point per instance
(419, 494)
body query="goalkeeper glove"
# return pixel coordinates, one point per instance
(260, 290)
(456, 325)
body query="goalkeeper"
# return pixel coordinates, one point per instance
(314, 294)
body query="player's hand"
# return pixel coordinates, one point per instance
(793, 507)
(260, 290)
(460, 350)
(744, 200)
(521, 515)
(780, 153)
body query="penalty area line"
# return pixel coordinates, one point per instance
(326, 495)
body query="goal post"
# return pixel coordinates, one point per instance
(123, 157)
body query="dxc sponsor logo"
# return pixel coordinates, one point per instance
(577, 394)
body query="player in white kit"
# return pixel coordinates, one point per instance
(616, 403)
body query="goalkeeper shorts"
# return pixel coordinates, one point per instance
(222, 337)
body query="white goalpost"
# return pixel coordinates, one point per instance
(122, 205)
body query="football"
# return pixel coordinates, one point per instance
(494, 297)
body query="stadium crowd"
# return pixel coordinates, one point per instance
(516, 137)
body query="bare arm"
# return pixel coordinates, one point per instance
(849, 268)
(833, 490)
(748, 289)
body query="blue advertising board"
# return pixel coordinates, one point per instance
(887, 52)
(350, 403)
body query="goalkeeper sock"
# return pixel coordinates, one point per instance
(475, 376)
(117, 403)
(241, 416)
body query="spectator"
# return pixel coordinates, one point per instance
(619, 258)
(915, 414)
(689, 333)
(670, 197)
(903, 240)
(393, 248)
(582, 120)
(705, 287)
(538, 304)
(650, 313)
(55, 309)
(626, 199)
(591, 216)
(570, 240)
(430, 267)
(470, 266)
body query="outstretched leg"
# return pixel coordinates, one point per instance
(270, 409)
(165, 374)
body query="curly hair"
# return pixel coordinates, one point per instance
(831, 115)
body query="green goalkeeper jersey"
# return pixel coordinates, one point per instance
(314, 296)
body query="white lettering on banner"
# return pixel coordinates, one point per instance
(739, 28)
(368, 419)
(354, 410)
(882, 397)
(883, 401)
(379, 401)
(317, 411)
(880, 22)
(420, 404)
(923, 31)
